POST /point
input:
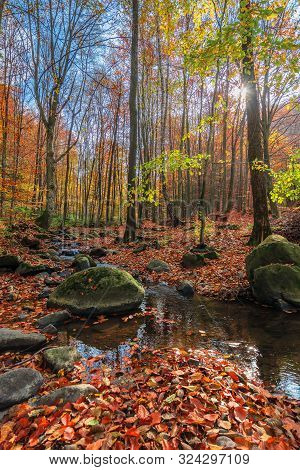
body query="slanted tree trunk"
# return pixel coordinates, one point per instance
(130, 231)
(261, 225)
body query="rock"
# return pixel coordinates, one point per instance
(158, 266)
(26, 269)
(191, 260)
(22, 316)
(9, 261)
(16, 340)
(225, 442)
(51, 281)
(55, 318)
(50, 329)
(140, 248)
(98, 290)
(63, 357)
(98, 252)
(69, 252)
(44, 294)
(64, 395)
(273, 270)
(274, 249)
(186, 289)
(18, 385)
(31, 242)
(82, 262)
(277, 285)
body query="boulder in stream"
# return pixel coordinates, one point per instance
(273, 270)
(62, 357)
(100, 290)
(186, 289)
(55, 319)
(82, 262)
(18, 385)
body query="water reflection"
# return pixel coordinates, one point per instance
(264, 341)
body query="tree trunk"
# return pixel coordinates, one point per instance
(130, 231)
(261, 225)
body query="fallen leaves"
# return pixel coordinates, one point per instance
(185, 410)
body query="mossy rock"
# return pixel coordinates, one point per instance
(274, 249)
(158, 266)
(60, 358)
(193, 260)
(82, 262)
(100, 290)
(9, 261)
(276, 284)
(26, 269)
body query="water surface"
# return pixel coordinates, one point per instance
(265, 342)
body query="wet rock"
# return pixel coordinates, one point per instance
(64, 395)
(69, 252)
(98, 290)
(192, 260)
(63, 357)
(26, 269)
(273, 270)
(55, 318)
(16, 340)
(31, 242)
(186, 289)
(18, 385)
(50, 329)
(98, 252)
(158, 266)
(9, 261)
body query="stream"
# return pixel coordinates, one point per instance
(266, 343)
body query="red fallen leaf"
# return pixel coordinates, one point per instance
(142, 412)
(95, 445)
(69, 433)
(133, 432)
(211, 417)
(240, 413)
(24, 422)
(156, 417)
(233, 375)
(65, 419)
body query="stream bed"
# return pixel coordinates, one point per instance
(266, 343)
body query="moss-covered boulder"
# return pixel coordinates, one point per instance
(274, 249)
(82, 262)
(26, 269)
(277, 285)
(273, 270)
(98, 290)
(62, 358)
(158, 266)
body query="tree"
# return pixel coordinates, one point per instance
(261, 225)
(130, 229)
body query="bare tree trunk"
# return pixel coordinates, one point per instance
(261, 225)
(130, 231)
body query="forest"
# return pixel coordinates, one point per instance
(149, 224)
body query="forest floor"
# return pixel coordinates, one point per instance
(172, 399)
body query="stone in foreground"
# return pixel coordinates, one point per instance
(64, 395)
(101, 290)
(18, 385)
(60, 358)
(16, 340)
